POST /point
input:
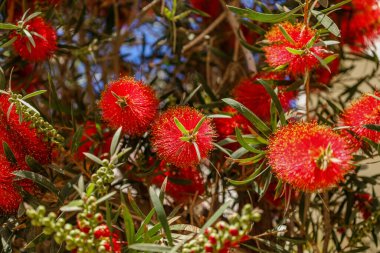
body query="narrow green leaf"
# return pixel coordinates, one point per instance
(128, 221)
(38, 179)
(106, 197)
(192, 94)
(258, 172)
(9, 42)
(286, 34)
(196, 147)
(149, 247)
(264, 17)
(336, 6)
(199, 124)
(31, 16)
(295, 51)
(372, 127)
(243, 143)
(93, 158)
(115, 141)
(215, 216)
(256, 121)
(76, 139)
(161, 214)
(275, 100)
(327, 22)
(6, 26)
(33, 94)
(145, 222)
(8, 153)
(30, 37)
(181, 127)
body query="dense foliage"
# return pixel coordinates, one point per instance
(189, 126)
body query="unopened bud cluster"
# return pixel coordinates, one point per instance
(82, 238)
(103, 177)
(43, 127)
(223, 235)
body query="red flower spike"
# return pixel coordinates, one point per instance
(130, 104)
(21, 138)
(103, 232)
(309, 156)
(253, 95)
(277, 53)
(226, 126)
(211, 7)
(189, 182)
(45, 42)
(10, 197)
(170, 143)
(323, 76)
(364, 111)
(359, 23)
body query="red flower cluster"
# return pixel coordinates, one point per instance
(23, 141)
(173, 146)
(364, 111)
(278, 53)
(211, 7)
(364, 204)
(226, 126)
(130, 104)
(308, 156)
(323, 76)
(253, 95)
(44, 36)
(183, 183)
(359, 23)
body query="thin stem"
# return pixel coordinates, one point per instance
(306, 13)
(326, 220)
(307, 89)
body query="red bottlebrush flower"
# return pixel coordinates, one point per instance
(364, 111)
(173, 146)
(45, 41)
(226, 126)
(359, 23)
(91, 141)
(324, 76)
(278, 55)
(211, 7)
(130, 104)
(183, 183)
(309, 156)
(22, 139)
(253, 95)
(10, 197)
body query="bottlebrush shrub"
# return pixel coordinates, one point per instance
(362, 116)
(308, 156)
(253, 95)
(183, 183)
(37, 41)
(292, 46)
(225, 127)
(182, 136)
(129, 104)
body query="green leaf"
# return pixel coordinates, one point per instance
(93, 158)
(9, 42)
(327, 22)
(199, 124)
(264, 17)
(192, 94)
(33, 94)
(30, 37)
(372, 127)
(145, 222)
(321, 61)
(181, 127)
(215, 216)
(324, 3)
(33, 164)
(115, 141)
(76, 139)
(295, 51)
(149, 247)
(106, 197)
(38, 179)
(336, 6)
(128, 221)
(275, 100)
(256, 121)
(73, 206)
(258, 172)
(326, 43)
(161, 214)
(31, 16)
(286, 34)
(8, 153)
(243, 143)
(6, 26)
(196, 147)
